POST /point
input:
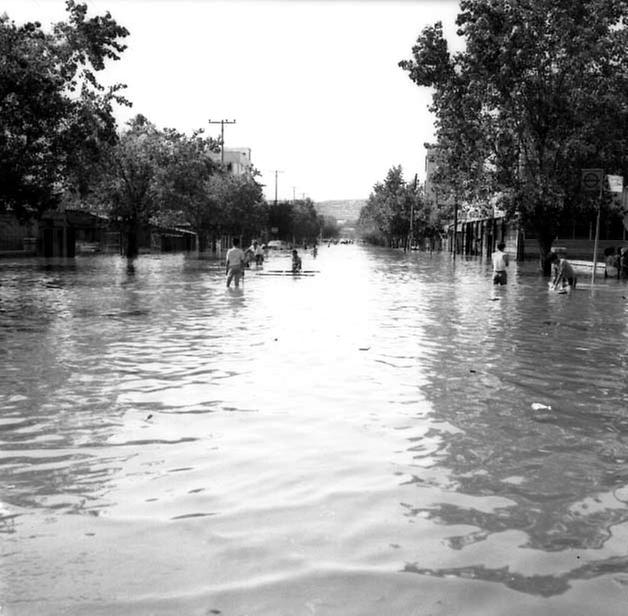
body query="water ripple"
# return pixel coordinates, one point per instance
(392, 413)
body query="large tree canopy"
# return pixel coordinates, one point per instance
(539, 93)
(54, 114)
(243, 209)
(132, 182)
(189, 183)
(162, 176)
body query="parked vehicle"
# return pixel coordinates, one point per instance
(277, 245)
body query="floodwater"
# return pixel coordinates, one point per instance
(388, 436)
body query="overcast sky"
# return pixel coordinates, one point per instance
(314, 85)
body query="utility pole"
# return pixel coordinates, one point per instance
(597, 231)
(277, 172)
(222, 136)
(416, 177)
(455, 240)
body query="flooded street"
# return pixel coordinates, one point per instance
(390, 435)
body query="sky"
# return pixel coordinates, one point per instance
(313, 85)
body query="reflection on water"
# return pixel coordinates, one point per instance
(301, 445)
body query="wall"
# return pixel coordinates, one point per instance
(13, 234)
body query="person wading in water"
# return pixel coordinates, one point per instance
(500, 263)
(234, 263)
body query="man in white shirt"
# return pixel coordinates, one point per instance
(500, 263)
(234, 263)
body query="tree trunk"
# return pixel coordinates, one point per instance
(201, 239)
(132, 249)
(545, 241)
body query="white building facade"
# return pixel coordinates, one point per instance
(237, 160)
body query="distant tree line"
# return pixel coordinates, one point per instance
(537, 95)
(298, 221)
(60, 144)
(396, 213)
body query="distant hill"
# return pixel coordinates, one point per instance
(347, 210)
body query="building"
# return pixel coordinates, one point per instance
(481, 225)
(17, 238)
(478, 236)
(66, 233)
(237, 160)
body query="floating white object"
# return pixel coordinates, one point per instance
(537, 406)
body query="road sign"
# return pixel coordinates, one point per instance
(615, 183)
(592, 180)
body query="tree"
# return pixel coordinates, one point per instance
(54, 113)
(537, 95)
(136, 171)
(297, 221)
(280, 217)
(187, 187)
(385, 219)
(306, 223)
(243, 210)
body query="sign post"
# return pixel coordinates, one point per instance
(592, 181)
(455, 239)
(624, 207)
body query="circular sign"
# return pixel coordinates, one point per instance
(591, 180)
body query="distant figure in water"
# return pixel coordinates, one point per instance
(562, 273)
(500, 263)
(315, 251)
(259, 254)
(234, 263)
(296, 262)
(249, 255)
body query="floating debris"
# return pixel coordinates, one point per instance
(537, 406)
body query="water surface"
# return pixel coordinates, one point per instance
(390, 435)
